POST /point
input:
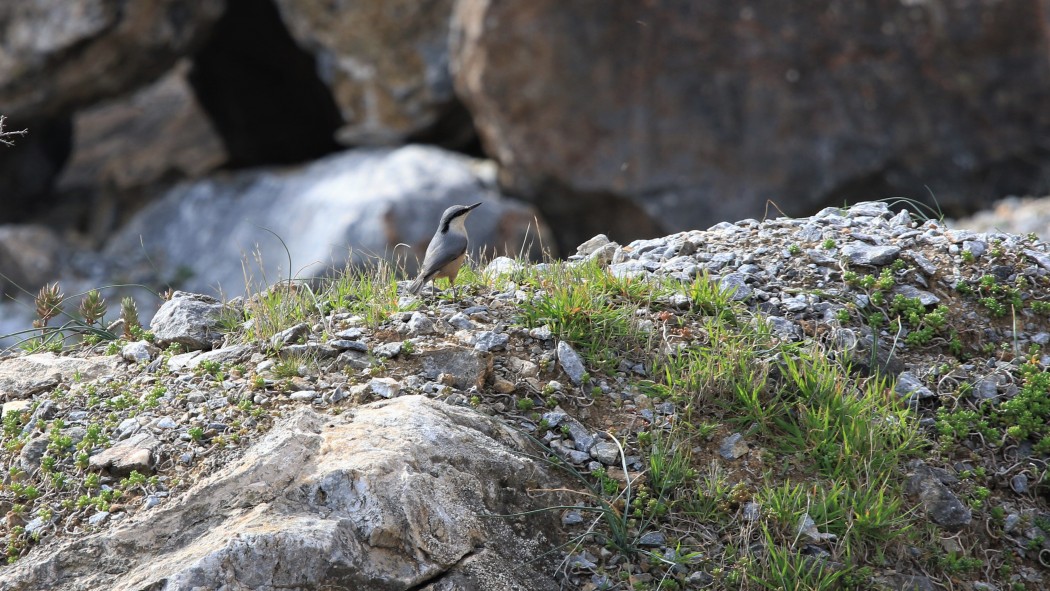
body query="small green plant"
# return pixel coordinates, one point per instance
(785, 568)
(196, 433)
(48, 304)
(583, 305)
(956, 564)
(979, 496)
(829, 244)
(93, 307)
(93, 437)
(211, 368)
(287, 368)
(13, 421)
(135, 479)
(152, 399)
(129, 314)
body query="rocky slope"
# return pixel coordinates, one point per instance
(222, 459)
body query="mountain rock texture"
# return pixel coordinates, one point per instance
(344, 437)
(59, 55)
(386, 64)
(401, 494)
(680, 114)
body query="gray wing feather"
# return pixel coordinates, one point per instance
(437, 257)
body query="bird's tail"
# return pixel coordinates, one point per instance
(416, 285)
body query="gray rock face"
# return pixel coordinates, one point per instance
(900, 582)
(606, 452)
(385, 62)
(860, 253)
(384, 387)
(135, 453)
(290, 335)
(571, 362)
(910, 386)
(29, 458)
(364, 200)
(316, 503)
(59, 54)
(491, 341)
(157, 133)
(940, 503)
(29, 374)
(188, 319)
(231, 354)
(702, 111)
(138, 352)
(733, 447)
(466, 366)
(909, 291)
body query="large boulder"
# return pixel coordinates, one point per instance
(386, 62)
(157, 134)
(361, 205)
(400, 494)
(58, 55)
(617, 116)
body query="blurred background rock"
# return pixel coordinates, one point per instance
(169, 138)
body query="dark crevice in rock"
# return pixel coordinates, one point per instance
(261, 91)
(436, 578)
(871, 186)
(28, 171)
(454, 130)
(1020, 174)
(576, 216)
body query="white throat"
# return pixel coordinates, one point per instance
(457, 225)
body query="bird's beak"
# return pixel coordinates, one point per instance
(470, 207)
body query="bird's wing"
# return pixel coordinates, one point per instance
(451, 247)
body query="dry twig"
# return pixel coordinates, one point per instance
(4, 135)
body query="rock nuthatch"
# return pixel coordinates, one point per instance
(447, 250)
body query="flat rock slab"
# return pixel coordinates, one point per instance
(391, 495)
(466, 366)
(23, 376)
(137, 453)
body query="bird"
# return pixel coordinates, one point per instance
(447, 249)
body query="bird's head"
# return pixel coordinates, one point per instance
(455, 216)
